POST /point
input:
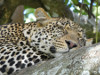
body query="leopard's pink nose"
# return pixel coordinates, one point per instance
(70, 44)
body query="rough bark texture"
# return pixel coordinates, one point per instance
(18, 15)
(85, 61)
(55, 7)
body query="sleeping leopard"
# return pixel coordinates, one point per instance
(23, 45)
(21, 34)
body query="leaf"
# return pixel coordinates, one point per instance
(83, 12)
(29, 10)
(86, 2)
(75, 1)
(70, 5)
(66, 1)
(25, 7)
(76, 11)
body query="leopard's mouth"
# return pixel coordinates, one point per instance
(55, 49)
(63, 48)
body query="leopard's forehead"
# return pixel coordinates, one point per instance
(66, 24)
(63, 22)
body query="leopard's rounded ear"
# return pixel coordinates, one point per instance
(41, 14)
(89, 42)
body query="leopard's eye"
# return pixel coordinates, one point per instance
(78, 34)
(67, 27)
(65, 31)
(64, 23)
(81, 42)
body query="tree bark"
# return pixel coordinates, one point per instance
(18, 15)
(84, 61)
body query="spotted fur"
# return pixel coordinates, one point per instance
(14, 58)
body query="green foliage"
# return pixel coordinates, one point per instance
(94, 11)
(74, 4)
(86, 2)
(27, 12)
(66, 1)
(75, 1)
(70, 5)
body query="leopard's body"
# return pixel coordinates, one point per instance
(13, 33)
(14, 58)
(43, 39)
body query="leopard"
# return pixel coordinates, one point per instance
(24, 45)
(15, 32)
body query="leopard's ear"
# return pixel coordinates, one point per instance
(41, 14)
(42, 17)
(89, 42)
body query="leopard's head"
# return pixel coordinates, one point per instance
(55, 35)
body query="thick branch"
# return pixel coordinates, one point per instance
(85, 61)
(18, 16)
(91, 7)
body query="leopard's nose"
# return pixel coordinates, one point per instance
(70, 44)
(52, 49)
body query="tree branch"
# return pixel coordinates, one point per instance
(85, 61)
(18, 16)
(91, 7)
(85, 7)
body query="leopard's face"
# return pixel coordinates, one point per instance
(55, 36)
(71, 41)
